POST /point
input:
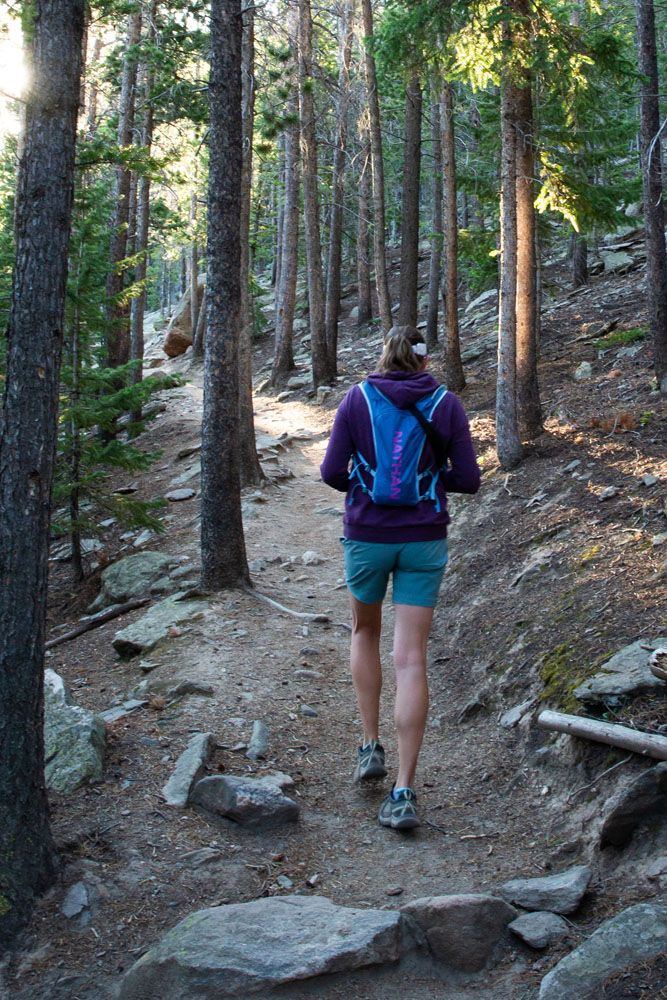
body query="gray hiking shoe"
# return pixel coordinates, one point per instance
(370, 762)
(399, 813)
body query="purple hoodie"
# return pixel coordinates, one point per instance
(366, 521)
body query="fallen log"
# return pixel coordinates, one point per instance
(96, 620)
(613, 735)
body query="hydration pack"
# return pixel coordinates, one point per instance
(399, 443)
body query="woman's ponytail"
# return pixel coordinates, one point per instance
(398, 353)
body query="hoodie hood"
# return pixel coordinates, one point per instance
(404, 388)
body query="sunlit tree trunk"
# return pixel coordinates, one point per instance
(407, 310)
(379, 255)
(364, 301)
(452, 345)
(28, 437)
(224, 562)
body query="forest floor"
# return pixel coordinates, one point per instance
(490, 810)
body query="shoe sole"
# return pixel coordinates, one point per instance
(376, 771)
(406, 823)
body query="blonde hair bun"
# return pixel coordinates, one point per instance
(398, 354)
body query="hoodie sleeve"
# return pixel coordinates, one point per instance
(334, 468)
(462, 474)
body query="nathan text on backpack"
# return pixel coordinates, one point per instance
(399, 441)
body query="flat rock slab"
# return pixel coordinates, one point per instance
(251, 801)
(626, 674)
(73, 739)
(539, 930)
(236, 950)
(464, 931)
(133, 576)
(635, 935)
(560, 893)
(147, 631)
(189, 769)
(644, 797)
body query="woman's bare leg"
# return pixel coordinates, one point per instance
(365, 663)
(411, 631)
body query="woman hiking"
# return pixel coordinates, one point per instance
(395, 525)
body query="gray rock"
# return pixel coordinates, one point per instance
(539, 930)
(323, 393)
(244, 948)
(189, 769)
(537, 563)
(132, 576)
(511, 718)
(73, 739)
(175, 496)
(584, 371)
(306, 674)
(626, 674)
(299, 382)
(483, 301)
(308, 711)
(251, 801)
(560, 893)
(142, 635)
(311, 558)
(259, 741)
(120, 711)
(76, 901)
(632, 936)
(644, 797)
(464, 932)
(202, 856)
(616, 260)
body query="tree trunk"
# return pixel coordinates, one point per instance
(528, 392)
(194, 259)
(251, 471)
(508, 443)
(283, 357)
(224, 562)
(28, 434)
(118, 350)
(436, 222)
(452, 350)
(364, 302)
(579, 261)
(332, 304)
(654, 211)
(324, 366)
(407, 312)
(91, 111)
(379, 255)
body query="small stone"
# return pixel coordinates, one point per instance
(202, 856)
(649, 480)
(659, 539)
(284, 882)
(174, 496)
(75, 901)
(308, 711)
(311, 558)
(313, 881)
(608, 493)
(560, 893)
(323, 393)
(259, 741)
(540, 929)
(249, 801)
(257, 565)
(120, 711)
(306, 674)
(511, 718)
(583, 371)
(282, 396)
(189, 768)
(394, 890)
(572, 465)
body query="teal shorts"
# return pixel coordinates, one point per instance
(417, 569)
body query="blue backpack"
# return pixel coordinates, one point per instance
(399, 442)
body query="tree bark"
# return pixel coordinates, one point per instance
(528, 392)
(508, 443)
(609, 733)
(436, 221)
(194, 259)
(283, 356)
(332, 303)
(251, 470)
(579, 261)
(224, 562)
(364, 301)
(407, 311)
(654, 211)
(28, 434)
(118, 337)
(324, 366)
(452, 348)
(379, 255)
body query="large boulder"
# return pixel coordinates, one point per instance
(133, 576)
(179, 332)
(463, 932)
(635, 935)
(145, 633)
(626, 674)
(643, 798)
(73, 739)
(245, 948)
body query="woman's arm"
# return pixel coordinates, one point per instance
(462, 474)
(334, 468)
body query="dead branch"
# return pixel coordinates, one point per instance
(96, 620)
(646, 744)
(308, 616)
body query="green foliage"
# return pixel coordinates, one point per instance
(477, 248)
(620, 338)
